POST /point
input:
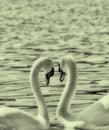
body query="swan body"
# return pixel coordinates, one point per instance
(95, 115)
(16, 119)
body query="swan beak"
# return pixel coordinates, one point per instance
(62, 76)
(62, 73)
(48, 75)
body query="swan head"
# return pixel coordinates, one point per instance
(66, 62)
(44, 63)
(49, 70)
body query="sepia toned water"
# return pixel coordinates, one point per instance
(31, 29)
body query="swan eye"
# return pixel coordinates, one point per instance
(62, 73)
(48, 75)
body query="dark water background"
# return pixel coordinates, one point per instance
(30, 29)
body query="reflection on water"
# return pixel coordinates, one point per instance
(66, 128)
(63, 128)
(69, 129)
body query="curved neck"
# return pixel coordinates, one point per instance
(69, 90)
(42, 108)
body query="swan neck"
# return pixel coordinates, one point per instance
(69, 90)
(42, 108)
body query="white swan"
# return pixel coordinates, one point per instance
(95, 115)
(15, 119)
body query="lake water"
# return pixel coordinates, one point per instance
(31, 29)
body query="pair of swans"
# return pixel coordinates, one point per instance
(95, 115)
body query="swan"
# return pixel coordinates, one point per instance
(16, 119)
(93, 116)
